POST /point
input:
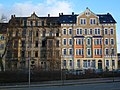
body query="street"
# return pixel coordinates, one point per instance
(95, 86)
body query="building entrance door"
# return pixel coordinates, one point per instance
(100, 64)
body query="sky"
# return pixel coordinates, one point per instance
(54, 7)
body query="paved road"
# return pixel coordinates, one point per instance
(97, 86)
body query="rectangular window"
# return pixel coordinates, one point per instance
(77, 31)
(70, 51)
(90, 31)
(64, 31)
(88, 51)
(70, 63)
(113, 63)
(57, 43)
(99, 31)
(88, 63)
(36, 33)
(70, 31)
(112, 51)
(80, 31)
(95, 31)
(85, 63)
(106, 31)
(88, 41)
(78, 63)
(107, 63)
(36, 53)
(36, 44)
(70, 41)
(106, 51)
(93, 64)
(112, 41)
(64, 51)
(111, 31)
(82, 21)
(85, 32)
(64, 63)
(106, 41)
(64, 41)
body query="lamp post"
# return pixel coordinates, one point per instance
(29, 70)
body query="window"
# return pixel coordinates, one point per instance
(57, 43)
(43, 43)
(70, 51)
(70, 31)
(90, 31)
(112, 51)
(93, 63)
(97, 41)
(111, 31)
(64, 31)
(44, 33)
(88, 51)
(70, 41)
(25, 23)
(80, 31)
(88, 41)
(23, 43)
(79, 51)
(36, 34)
(85, 32)
(64, 41)
(106, 51)
(70, 63)
(107, 63)
(85, 63)
(50, 43)
(113, 63)
(106, 31)
(57, 33)
(98, 51)
(50, 34)
(42, 23)
(92, 21)
(106, 41)
(112, 41)
(36, 23)
(31, 23)
(64, 51)
(78, 63)
(95, 31)
(36, 44)
(64, 63)
(77, 31)
(82, 21)
(36, 53)
(88, 63)
(99, 31)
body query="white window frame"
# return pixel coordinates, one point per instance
(63, 31)
(63, 41)
(63, 51)
(84, 21)
(87, 51)
(69, 51)
(112, 30)
(69, 41)
(111, 41)
(105, 41)
(69, 31)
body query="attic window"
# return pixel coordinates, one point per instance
(63, 21)
(87, 13)
(104, 21)
(71, 21)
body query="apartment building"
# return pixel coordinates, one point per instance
(76, 41)
(3, 34)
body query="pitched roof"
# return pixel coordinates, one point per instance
(106, 18)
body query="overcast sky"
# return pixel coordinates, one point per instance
(54, 7)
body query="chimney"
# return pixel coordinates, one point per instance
(14, 15)
(61, 13)
(48, 15)
(11, 16)
(72, 13)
